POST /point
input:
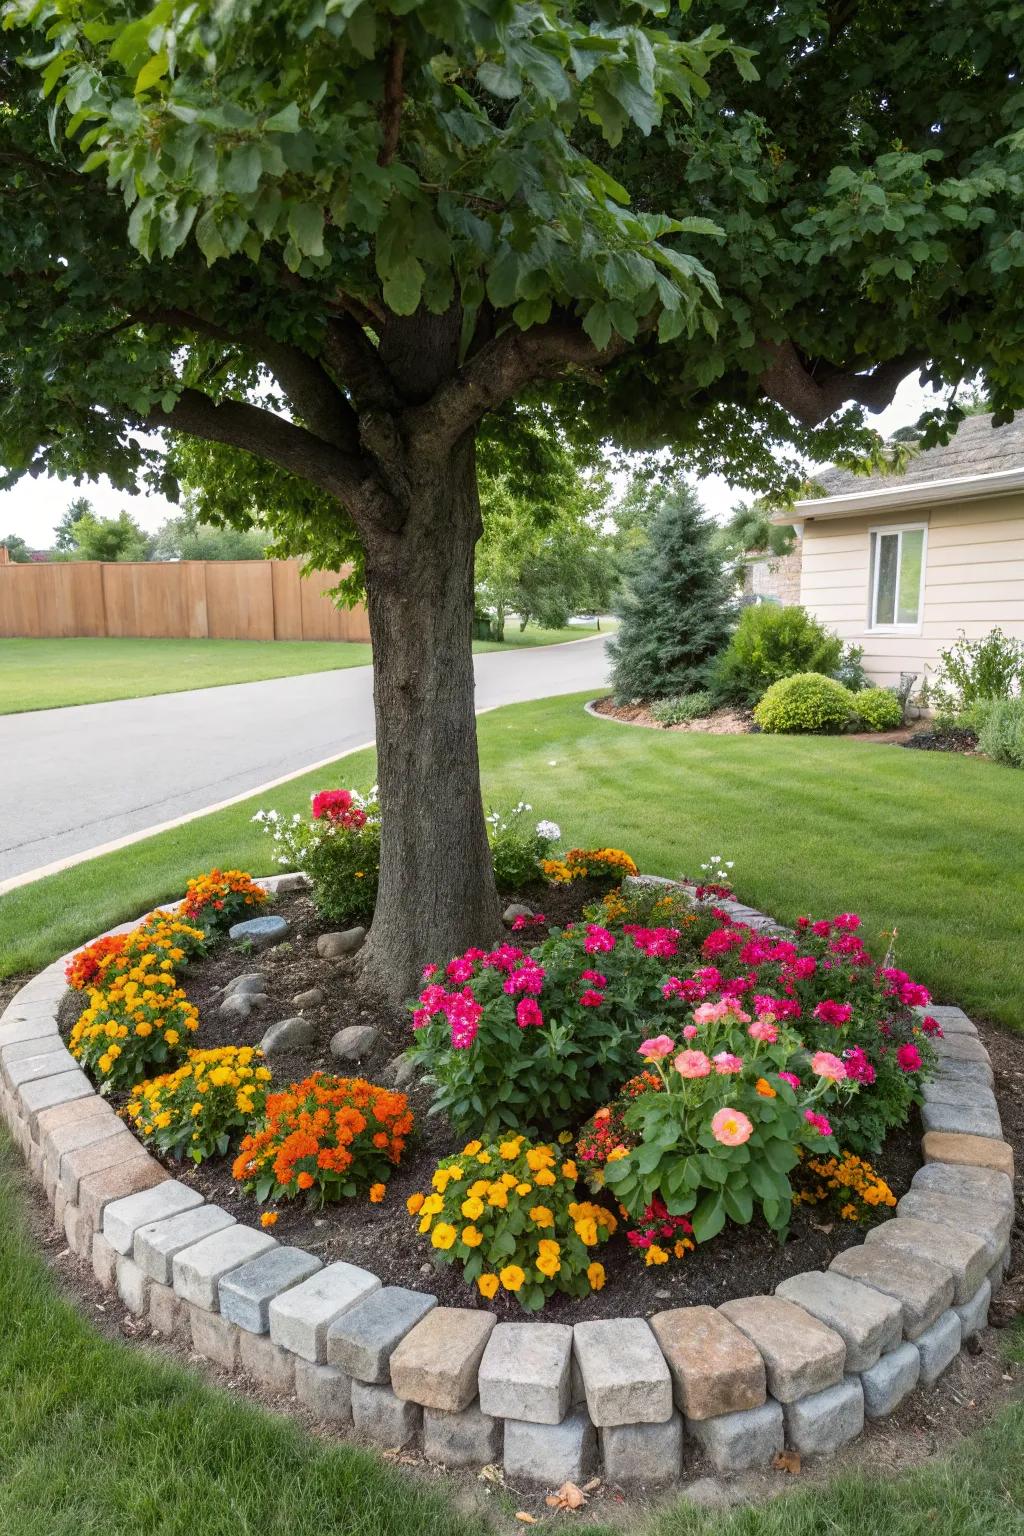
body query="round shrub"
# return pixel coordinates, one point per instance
(806, 702)
(1001, 731)
(769, 643)
(879, 709)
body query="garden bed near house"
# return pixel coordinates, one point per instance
(729, 721)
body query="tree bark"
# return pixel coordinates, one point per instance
(436, 894)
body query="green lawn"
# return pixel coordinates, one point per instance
(97, 1439)
(49, 674)
(925, 842)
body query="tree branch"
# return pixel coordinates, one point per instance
(501, 368)
(812, 399)
(391, 111)
(352, 358)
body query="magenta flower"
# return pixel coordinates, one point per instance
(909, 1058)
(528, 1012)
(595, 978)
(591, 999)
(598, 941)
(834, 1013)
(817, 1122)
(790, 1078)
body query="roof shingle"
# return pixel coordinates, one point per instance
(977, 449)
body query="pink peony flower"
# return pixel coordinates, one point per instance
(817, 1122)
(528, 1012)
(765, 1030)
(428, 971)
(804, 966)
(834, 1013)
(692, 1064)
(657, 1047)
(909, 1058)
(726, 1064)
(847, 920)
(690, 1031)
(932, 1027)
(822, 928)
(731, 1127)
(827, 1065)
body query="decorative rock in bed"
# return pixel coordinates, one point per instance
(251, 982)
(288, 1035)
(260, 932)
(353, 1043)
(516, 909)
(331, 946)
(311, 999)
(239, 1005)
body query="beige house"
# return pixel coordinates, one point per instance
(899, 564)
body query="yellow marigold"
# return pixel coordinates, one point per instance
(569, 1171)
(479, 1187)
(544, 1178)
(432, 1205)
(616, 1153)
(425, 1223)
(549, 1245)
(472, 1208)
(268, 1219)
(586, 1231)
(487, 1285)
(539, 1157)
(524, 1189)
(510, 1149)
(656, 1255)
(443, 1235)
(511, 1277)
(472, 1237)
(541, 1216)
(498, 1195)
(595, 1274)
(471, 1148)
(765, 1089)
(549, 1264)
(564, 1138)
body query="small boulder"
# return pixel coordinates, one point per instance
(311, 999)
(330, 946)
(516, 910)
(260, 932)
(399, 1071)
(288, 1035)
(239, 1005)
(294, 882)
(354, 1042)
(252, 981)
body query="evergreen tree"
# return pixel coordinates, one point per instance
(679, 608)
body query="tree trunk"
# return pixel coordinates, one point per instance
(437, 894)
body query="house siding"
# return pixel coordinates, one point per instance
(974, 579)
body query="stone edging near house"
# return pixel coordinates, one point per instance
(801, 1368)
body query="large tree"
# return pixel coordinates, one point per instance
(337, 238)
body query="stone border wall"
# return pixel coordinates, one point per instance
(802, 1368)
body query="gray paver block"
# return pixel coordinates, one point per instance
(382, 1417)
(214, 1337)
(122, 1218)
(168, 1314)
(801, 1355)
(470, 1438)
(824, 1421)
(973, 1314)
(959, 1046)
(889, 1380)
(436, 1363)
(867, 1321)
(954, 1088)
(266, 1362)
(966, 1255)
(157, 1242)
(362, 1340)
(551, 1453)
(924, 1289)
(625, 1376)
(71, 1138)
(132, 1285)
(965, 1182)
(735, 1442)
(643, 1453)
(324, 1390)
(525, 1371)
(939, 1346)
(992, 1223)
(965, 1119)
(197, 1270)
(104, 1261)
(715, 1368)
(301, 1316)
(31, 1068)
(48, 1092)
(246, 1293)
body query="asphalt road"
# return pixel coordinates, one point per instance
(74, 779)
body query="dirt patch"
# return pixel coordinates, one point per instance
(741, 1260)
(950, 738)
(721, 722)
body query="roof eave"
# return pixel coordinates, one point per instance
(895, 497)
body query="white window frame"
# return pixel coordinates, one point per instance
(875, 565)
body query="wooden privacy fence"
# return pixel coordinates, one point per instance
(184, 599)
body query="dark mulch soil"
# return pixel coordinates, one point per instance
(384, 1238)
(721, 722)
(950, 738)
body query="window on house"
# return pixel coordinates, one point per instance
(897, 577)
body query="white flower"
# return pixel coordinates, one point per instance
(550, 831)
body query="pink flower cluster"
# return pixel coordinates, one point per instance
(338, 807)
(662, 943)
(461, 1009)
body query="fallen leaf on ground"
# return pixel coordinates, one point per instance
(787, 1461)
(595, 1482)
(567, 1497)
(526, 1518)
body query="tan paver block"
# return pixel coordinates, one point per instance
(923, 1289)
(981, 1151)
(800, 1354)
(113, 1151)
(214, 1337)
(96, 1190)
(436, 1363)
(71, 1113)
(952, 1248)
(715, 1368)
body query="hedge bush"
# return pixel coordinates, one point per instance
(770, 643)
(806, 702)
(879, 709)
(1001, 731)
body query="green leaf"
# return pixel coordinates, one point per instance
(403, 285)
(709, 1217)
(152, 71)
(285, 121)
(243, 170)
(306, 227)
(739, 1202)
(597, 323)
(208, 238)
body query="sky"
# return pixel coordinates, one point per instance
(34, 507)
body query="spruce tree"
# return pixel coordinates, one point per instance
(678, 609)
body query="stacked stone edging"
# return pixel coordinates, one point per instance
(801, 1368)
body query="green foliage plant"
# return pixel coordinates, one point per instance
(518, 843)
(989, 668)
(807, 701)
(879, 709)
(1001, 731)
(771, 642)
(683, 707)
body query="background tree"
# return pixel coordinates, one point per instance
(679, 609)
(64, 533)
(107, 538)
(336, 239)
(187, 537)
(17, 549)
